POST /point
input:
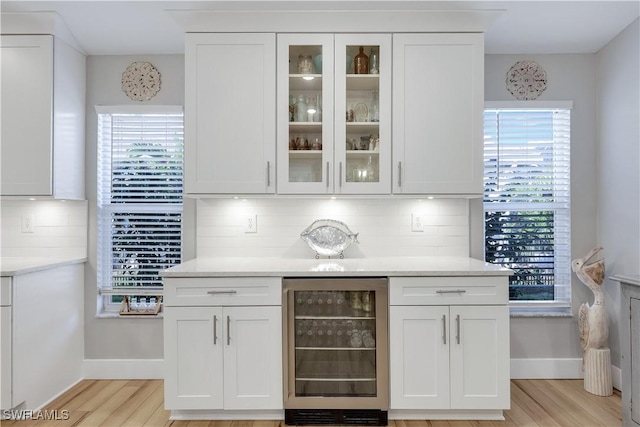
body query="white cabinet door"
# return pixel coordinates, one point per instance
(27, 102)
(445, 357)
(438, 96)
(253, 358)
(193, 355)
(480, 357)
(419, 357)
(230, 120)
(363, 146)
(305, 150)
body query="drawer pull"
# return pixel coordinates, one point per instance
(451, 291)
(222, 292)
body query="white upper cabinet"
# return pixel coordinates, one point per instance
(334, 120)
(43, 115)
(230, 117)
(438, 96)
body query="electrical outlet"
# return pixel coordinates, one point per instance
(251, 223)
(416, 222)
(27, 225)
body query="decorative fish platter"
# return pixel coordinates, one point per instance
(329, 237)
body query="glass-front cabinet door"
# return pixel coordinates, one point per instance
(363, 113)
(305, 113)
(334, 113)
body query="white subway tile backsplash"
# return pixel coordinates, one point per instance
(60, 228)
(384, 226)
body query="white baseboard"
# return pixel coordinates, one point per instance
(556, 369)
(520, 369)
(546, 368)
(123, 369)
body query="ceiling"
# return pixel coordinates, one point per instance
(532, 27)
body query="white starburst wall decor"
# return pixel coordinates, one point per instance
(526, 80)
(141, 81)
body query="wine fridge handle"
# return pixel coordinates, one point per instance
(215, 330)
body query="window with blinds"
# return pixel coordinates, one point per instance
(140, 162)
(526, 200)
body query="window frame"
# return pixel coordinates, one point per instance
(562, 305)
(106, 306)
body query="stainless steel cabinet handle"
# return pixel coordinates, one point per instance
(444, 329)
(340, 175)
(327, 174)
(229, 330)
(268, 174)
(451, 291)
(458, 329)
(232, 291)
(399, 174)
(215, 330)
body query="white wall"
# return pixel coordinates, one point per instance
(570, 78)
(120, 338)
(618, 166)
(60, 228)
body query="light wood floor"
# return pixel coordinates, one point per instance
(139, 403)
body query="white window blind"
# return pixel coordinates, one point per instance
(140, 163)
(526, 199)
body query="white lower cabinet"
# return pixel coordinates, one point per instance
(222, 357)
(449, 357)
(449, 347)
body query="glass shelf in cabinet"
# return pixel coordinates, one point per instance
(304, 154)
(308, 127)
(362, 153)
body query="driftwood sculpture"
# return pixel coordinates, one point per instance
(594, 327)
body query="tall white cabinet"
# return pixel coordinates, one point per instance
(449, 346)
(438, 96)
(43, 115)
(230, 119)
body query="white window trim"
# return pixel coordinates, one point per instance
(559, 308)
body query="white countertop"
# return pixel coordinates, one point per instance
(14, 266)
(628, 279)
(378, 266)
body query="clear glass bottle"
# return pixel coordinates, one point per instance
(374, 61)
(301, 109)
(374, 107)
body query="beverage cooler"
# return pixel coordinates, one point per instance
(336, 351)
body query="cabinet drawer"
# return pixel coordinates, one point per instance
(5, 291)
(215, 291)
(448, 290)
